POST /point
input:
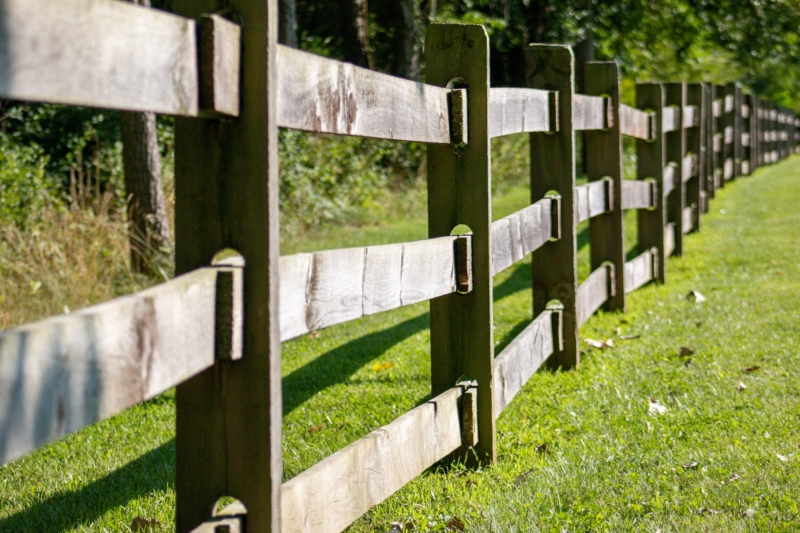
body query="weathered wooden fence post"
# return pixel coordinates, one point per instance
(712, 123)
(747, 135)
(604, 161)
(554, 270)
(696, 141)
(459, 192)
(737, 130)
(226, 196)
(651, 160)
(675, 140)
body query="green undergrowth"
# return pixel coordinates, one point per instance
(638, 438)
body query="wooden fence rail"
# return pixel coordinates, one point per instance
(215, 332)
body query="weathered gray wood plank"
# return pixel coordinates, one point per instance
(330, 495)
(98, 53)
(519, 234)
(323, 95)
(321, 289)
(518, 111)
(459, 192)
(690, 166)
(521, 359)
(669, 239)
(640, 270)
(635, 122)
(552, 166)
(592, 199)
(669, 182)
(670, 120)
(594, 292)
(675, 141)
(691, 116)
(67, 372)
(688, 219)
(590, 112)
(697, 145)
(638, 194)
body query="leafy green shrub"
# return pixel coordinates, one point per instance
(26, 190)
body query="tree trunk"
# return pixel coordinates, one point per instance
(354, 24)
(287, 33)
(406, 45)
(147, 215)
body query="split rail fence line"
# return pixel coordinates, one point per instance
(215, 331)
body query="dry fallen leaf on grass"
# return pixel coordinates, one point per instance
(782, 457)
(735, 477)
(314, 429)
(377, 367)
(314, 334)
(695, 296)
(143, 525)
(656, 408)
(685, 352)
(397, 527)
(608, 343)
(521, 478)
(741, 387)
(691, 466)
(749, 369)
(704, 510)
(456, 524)
(542, 448)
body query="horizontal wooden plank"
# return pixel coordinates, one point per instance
(669, 239)
(321, 289)
(745, 111)
(691, 116)
(323, 95)
(594, 292)
(67, 372)
(330, 495)
(717, 142)
(669, 179)
(727, 172)
(728, 103)
(590, 112)
(670, 119)
(728, 134)
(521, 359)
(518, 111)
(688, 219)
(716, 108)
(639, 194)
(745, 139)
(98, 53)
(517, 235)
(691, 163)
(640, 270)
(635, 122)
(592, 199)
(746, 167)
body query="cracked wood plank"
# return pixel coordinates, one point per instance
(518, 111)
(323, 95)
(321, 289)
(519, 234)
(634, 122)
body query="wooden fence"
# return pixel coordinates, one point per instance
(215, 331)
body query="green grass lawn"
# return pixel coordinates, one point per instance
(578, 450)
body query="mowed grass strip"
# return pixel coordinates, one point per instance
(639, 438)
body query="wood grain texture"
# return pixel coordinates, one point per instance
(330, 495)
(519, 234)
(98, 53)
(592, 199)
(604, 167)
(67, 372)
(675, 96)
(518, 111)
(321, 289)
(521, 359)
(594, 292)
(323, 95)
(552, 166)
(651, 160)
(638, 194)
(459, 192)
(640, 270)
(634, 122)
(590, 112)
(228, 439)
(219, 58)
